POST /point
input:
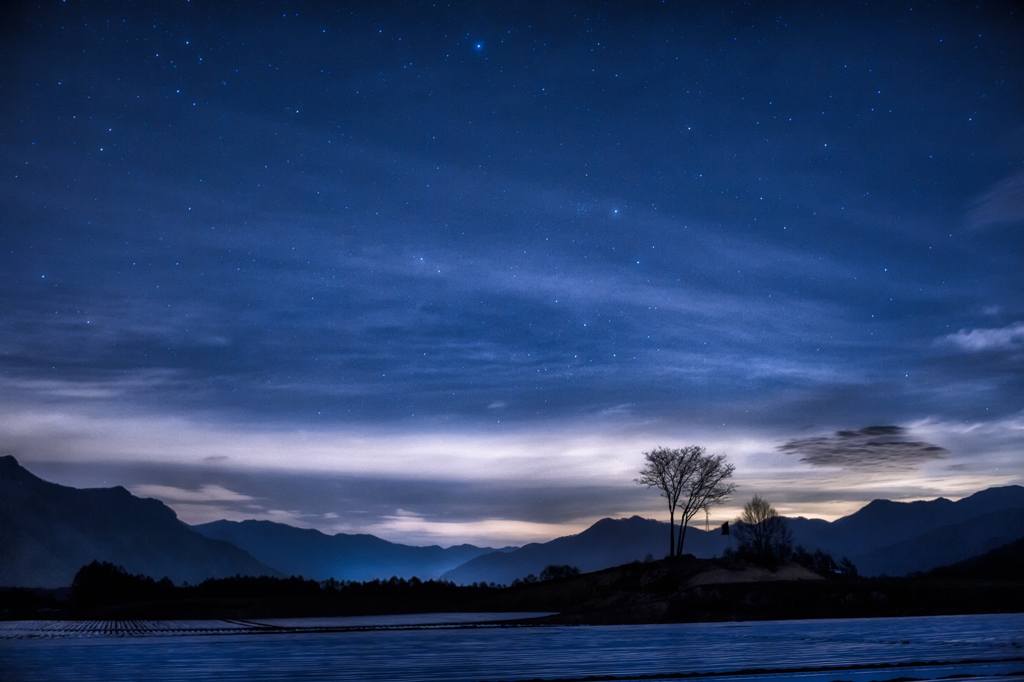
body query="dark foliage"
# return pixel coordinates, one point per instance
(102, 585)
(556, 571)
(19, 601)
(550, 572)
(823, 564)
(876, 597)
(528, 580)
(656, 591)
(105, 583)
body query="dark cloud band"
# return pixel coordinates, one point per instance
(873, 447)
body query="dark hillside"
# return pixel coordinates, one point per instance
(900, 538)
(49, 531)
(1002, 563)
(694, 590)
(945, 545)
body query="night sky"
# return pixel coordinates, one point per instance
(443, 272)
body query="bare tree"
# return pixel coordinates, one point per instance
(662, 473)
(763, 534)
(689, 476)
(705, 488)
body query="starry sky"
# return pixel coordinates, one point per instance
(442, 272)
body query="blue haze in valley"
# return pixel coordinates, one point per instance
(442, 272)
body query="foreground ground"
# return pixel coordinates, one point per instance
(668, 591)
(975, 647)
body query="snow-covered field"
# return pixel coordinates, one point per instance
(977, 647)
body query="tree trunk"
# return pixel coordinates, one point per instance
(682, 537)
(671, 532)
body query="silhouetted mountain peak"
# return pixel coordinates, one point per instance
(884, 511)
(1001, 496)
(10, 469)
(271, 526)
(606, 524)
(897, 517)
(56, 529)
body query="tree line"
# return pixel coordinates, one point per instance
(103, 583)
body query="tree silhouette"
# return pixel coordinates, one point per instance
(763, 535)
(690, 480)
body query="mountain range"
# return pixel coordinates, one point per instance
(312, 554)
(1002, 563)
(607, 543)
(898, 538)
(48, 531)
(882, 538)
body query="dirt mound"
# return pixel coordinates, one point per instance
(752, 574)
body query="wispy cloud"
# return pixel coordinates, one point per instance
(1010, 337)
(1003, 203)
(414, 528)
(206, 493)
(195, 513)
(94, 386)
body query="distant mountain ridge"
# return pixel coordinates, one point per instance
(312, 554)
(883, 537)
(1002, 563)
(49, 531)
(898, 538)
(607, 543)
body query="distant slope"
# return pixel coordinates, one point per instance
(898, 538)
(312, 554)
(1002, 563)
(49, 531)
(884, 537)
(945, 545)
(609, 542)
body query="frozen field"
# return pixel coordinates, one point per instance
(989, 647)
